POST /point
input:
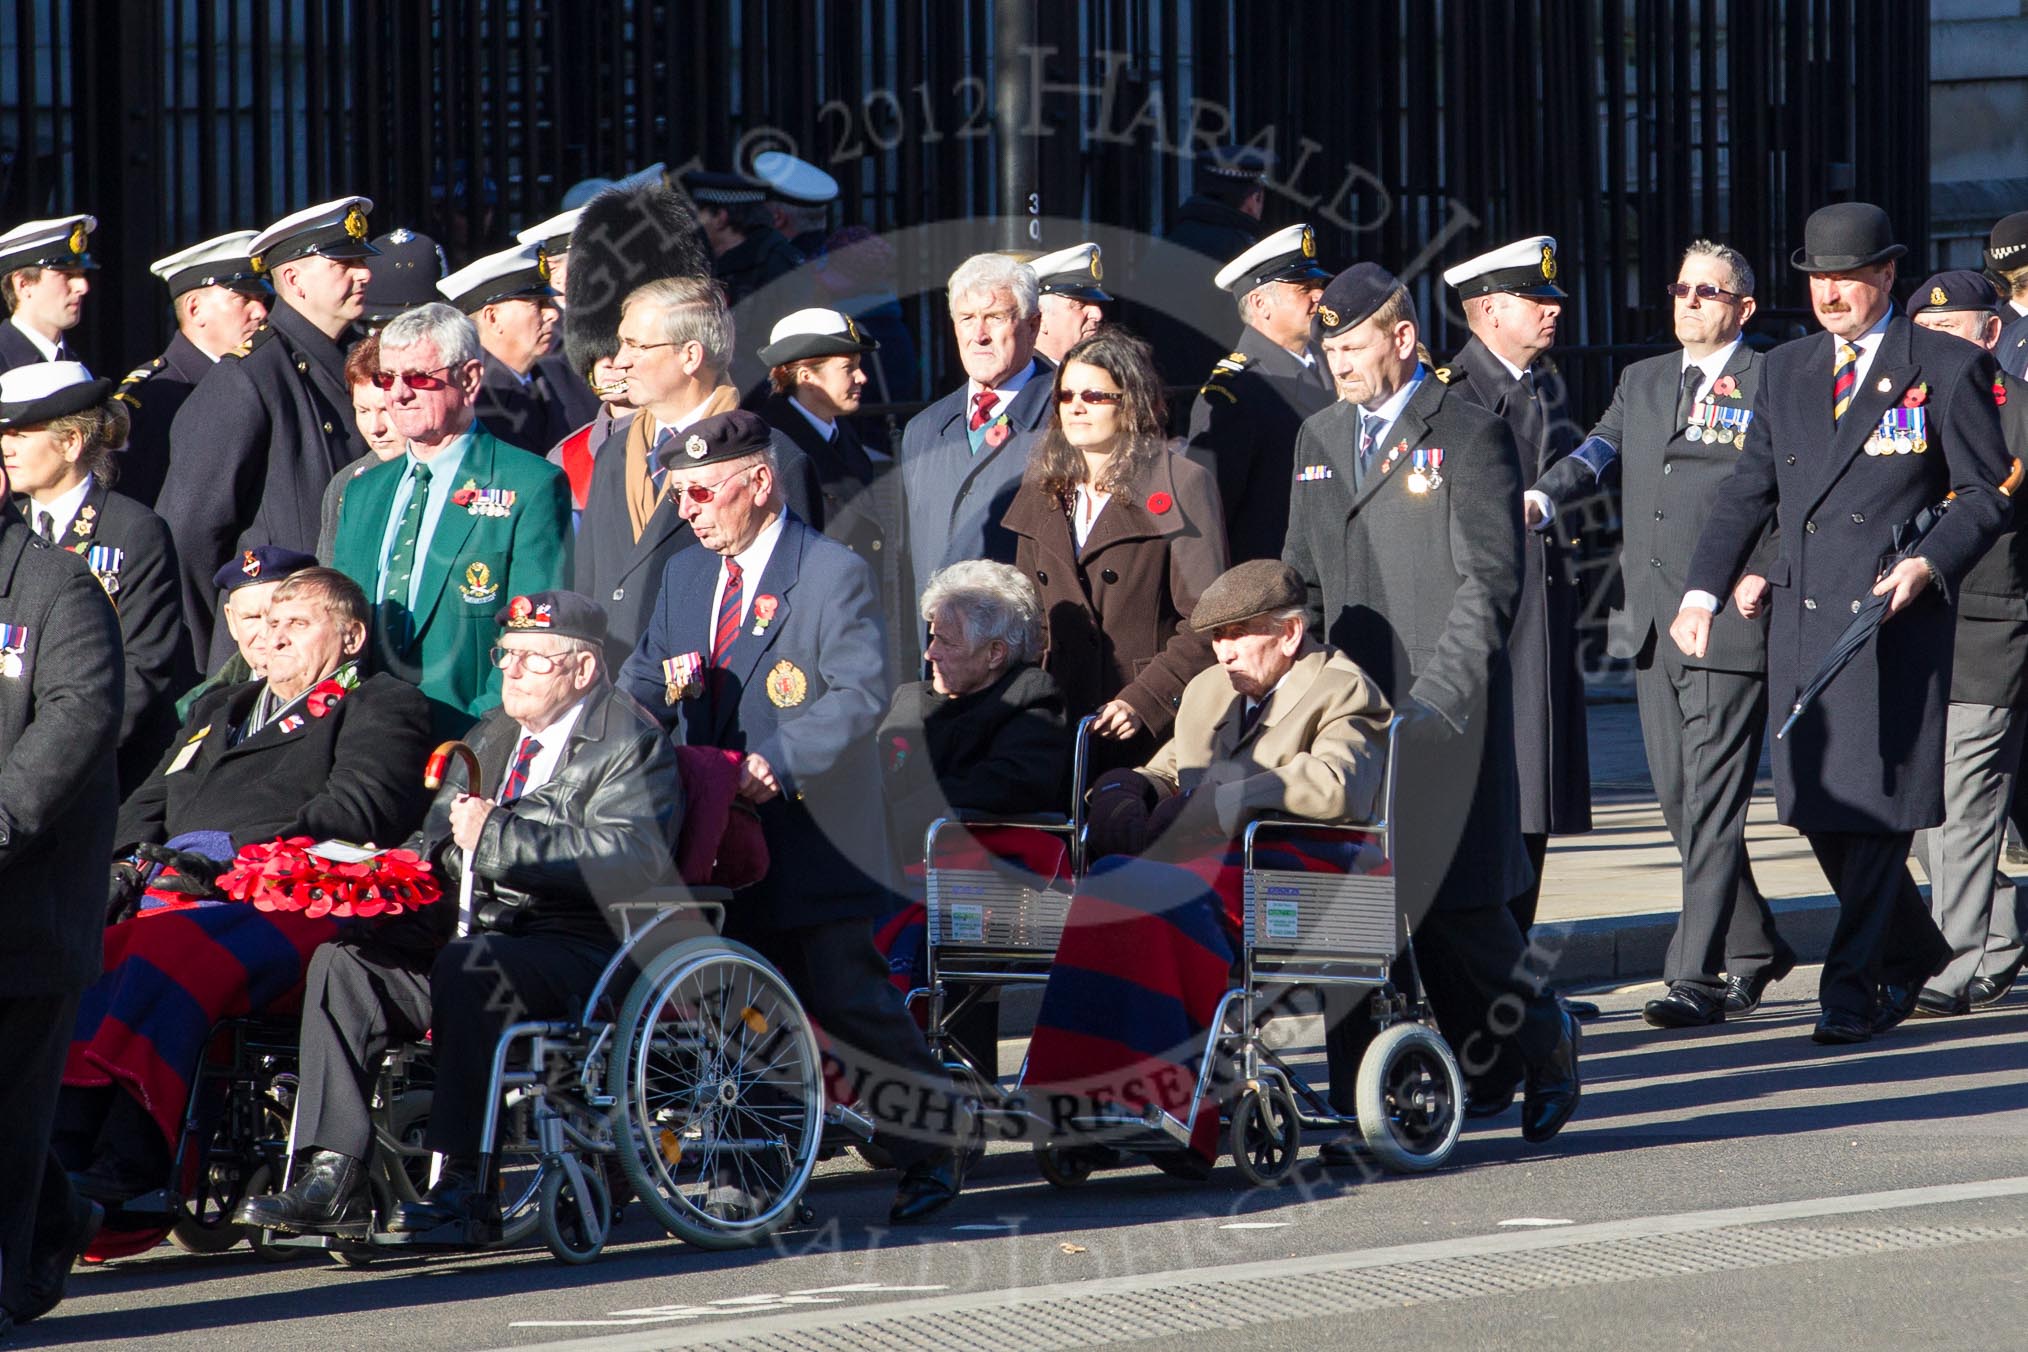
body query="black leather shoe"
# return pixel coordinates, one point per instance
(1936, 1005)
(1837, 1028)
(327, 1198)
(1579, 1009)
(928, 1186)
(456, 1199)
(1481, 1101)
(1743, 993)
(1986, 991)
(1339, 1153)
(1893, 1003)
(50, 1269)
(1687, 1005)
(1553, 1088)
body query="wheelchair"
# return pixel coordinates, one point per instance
(1333, 926)
(690, 1078)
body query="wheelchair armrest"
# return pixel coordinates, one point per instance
(971, 818)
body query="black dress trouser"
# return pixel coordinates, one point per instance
(35, 1194)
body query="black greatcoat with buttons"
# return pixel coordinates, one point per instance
(251, 452)
(1867, 756)
(1990, 665)
(154, 391)
(1551, 754)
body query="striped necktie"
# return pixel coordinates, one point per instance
(516, 782)
(1844, 380)
(401, 558)
(1369, 439)
(728, 616)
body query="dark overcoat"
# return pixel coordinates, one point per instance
(1243, 429)
(1419, 589)
(153, 392)
(1867, 756)
(1990, 662)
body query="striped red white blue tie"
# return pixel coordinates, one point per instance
(1844, 380)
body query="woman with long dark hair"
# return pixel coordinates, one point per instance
(1119, 535)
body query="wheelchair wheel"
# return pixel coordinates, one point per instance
(1410, 1098)
(577, 1212)
(720, 1092)
(1264, 1134)
(1071, 1166)
(204, 1221)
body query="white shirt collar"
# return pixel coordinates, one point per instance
(62, 510)
(688, 418)
(2017, 307)
(752, 561)
(1006, 389)
(825, 429)
(1713, 365)
(551, 740)
(42, 344)
(1396, 402)
(1251, 704)
(1512, 369)
(1868, 343)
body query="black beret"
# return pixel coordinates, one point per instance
(1256, 587)
(563, 613)
(1956, 290)
(1351, 297)
(2007, 246)
(262, 563)
(720, 437)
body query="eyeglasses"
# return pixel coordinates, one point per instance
(415, 380)
(1704, 290)
(539, 664)
(1103, 398)
(704, 493)
(629, 345)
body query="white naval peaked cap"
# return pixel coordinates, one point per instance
(334, 229)
(795, 181)
(42, 390)
(223, 260)
(521, 272)
(641, 178)
(1076, 271)
(1527, 267)
(60, 242)
(814, 332)
(1288, 255)
(553, 234)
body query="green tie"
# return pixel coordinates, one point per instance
(401, 559)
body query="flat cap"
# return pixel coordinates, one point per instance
(34, 394)
(225, 260)
(2007, 246)
(262, 563)
(814, 332)
(1288, 255)
(1256, 587)
(1352, 297)
(1844, 236)
(1075, 272)
(567, 614)
(1527, 267)
(402, 275)
(1954, 291)
(720, 437)
(59, 243)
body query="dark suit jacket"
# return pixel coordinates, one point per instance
(354, 774)
(1868, 754)
(251, 452)
(954, 503)
(1419, 589)
(17, 350)
(1004, 750)
(2012, 350)
(144, 587)
(1667, 486)
(515, 410)
(597, 833)
(1990, 662)
(624, 574)
(1243, 429)
(154, 391)
(1552, 757)
(58, 792)
(805, 692)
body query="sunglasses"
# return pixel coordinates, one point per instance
(1102, 398)
(704, 493)
(1704, 290)
(415, 380)
(541, 664)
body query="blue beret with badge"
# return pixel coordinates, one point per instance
(1353, 297)
(714, 440)
(262, 563)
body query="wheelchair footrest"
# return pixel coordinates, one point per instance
(158, 1204)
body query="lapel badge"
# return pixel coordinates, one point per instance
(682, 677)
(1885, 385)
(13, 639)
(786, 685)
(764, 607)
(1394, 453)
(290, 723)
(479, 586)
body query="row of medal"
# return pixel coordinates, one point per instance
(1902, 431)
(1718, 425)
(13, 642)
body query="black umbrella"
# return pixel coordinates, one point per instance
(1867, 621)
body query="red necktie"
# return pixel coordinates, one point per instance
(982, 408)
(728, 616)
(517, 774)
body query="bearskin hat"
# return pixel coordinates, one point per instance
(626, 238)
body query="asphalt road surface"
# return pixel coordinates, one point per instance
(1735, 1188)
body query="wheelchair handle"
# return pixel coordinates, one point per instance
(440, 761)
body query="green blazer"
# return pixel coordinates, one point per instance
(479, 558)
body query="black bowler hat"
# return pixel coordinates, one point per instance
(567, 614)
(2007, 246)
(262, 563)
(1957, 291)
(42, 390)
(1352, 297)
(709, 441)
(1844, 236)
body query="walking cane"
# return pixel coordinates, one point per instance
(433, 778)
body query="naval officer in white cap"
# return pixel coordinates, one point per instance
(42, 276)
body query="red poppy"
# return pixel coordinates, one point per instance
(1159, 503)
(764, 608)
(464, 497)
(322, 696)
(1724, 387)
(1916, 397)
(1999, 391)
(997, 434)
(284, 876)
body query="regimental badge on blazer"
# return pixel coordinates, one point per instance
(682, 677)
(105, 563)
(786, 685)
(479, 586)
(13, 650)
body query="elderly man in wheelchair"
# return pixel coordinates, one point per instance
(586, 817)
(1282, 726)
